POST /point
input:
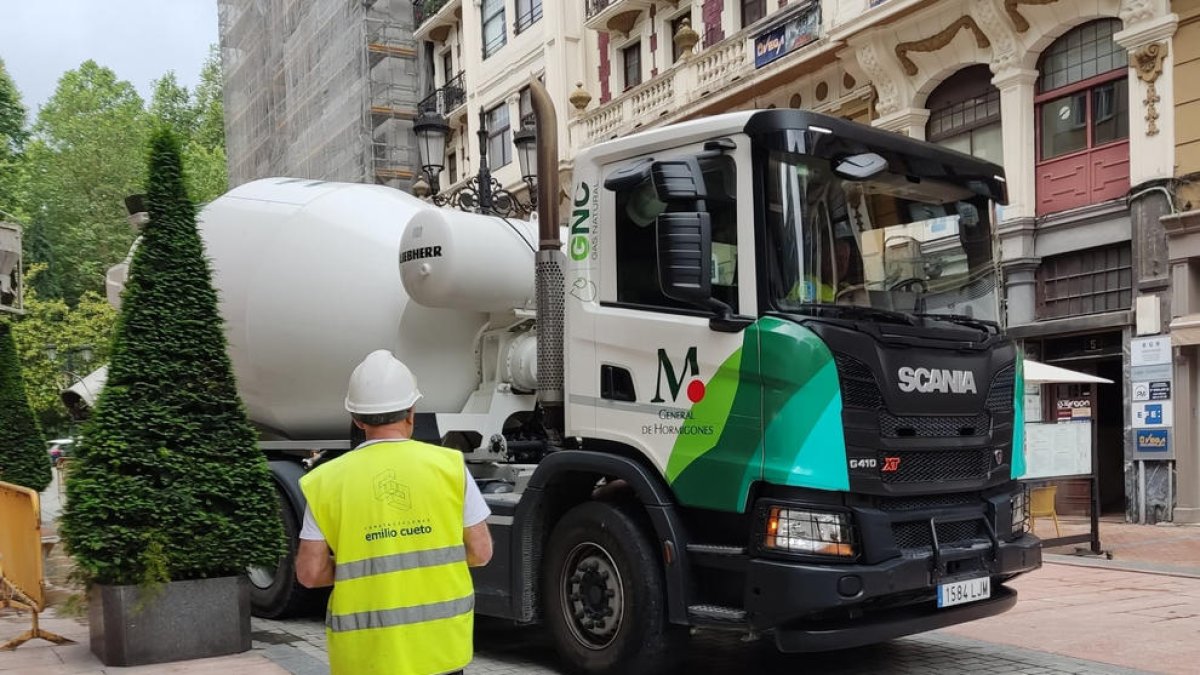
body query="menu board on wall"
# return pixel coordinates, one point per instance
(1056, 450)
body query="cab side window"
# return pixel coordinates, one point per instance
(637, 210)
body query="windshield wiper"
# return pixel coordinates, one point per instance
(963, 319)
(852, 312)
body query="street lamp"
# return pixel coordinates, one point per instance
(83, 353)
(481, 193)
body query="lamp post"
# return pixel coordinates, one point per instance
(482, 193)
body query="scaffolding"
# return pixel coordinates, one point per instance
(322, 89)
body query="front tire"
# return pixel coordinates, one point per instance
(605, 595)
(275, 593)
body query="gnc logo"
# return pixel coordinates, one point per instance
(675, 378)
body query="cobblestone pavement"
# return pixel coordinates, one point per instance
(298, 646)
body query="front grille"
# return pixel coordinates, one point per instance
(859, 388)
(917, 534)
(927, 501)
(930, 466)
(1000, 396)
(892, 426)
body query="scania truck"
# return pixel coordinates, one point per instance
(754, 379)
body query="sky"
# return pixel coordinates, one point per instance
(140, 40)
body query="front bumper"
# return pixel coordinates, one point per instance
(816, 607)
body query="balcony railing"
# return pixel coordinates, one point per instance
(618, 15)
(423, 9)
(674, 90)
(526, 20)
(447, 98)
(434, 19)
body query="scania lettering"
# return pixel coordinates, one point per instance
(780, 282)
(924, 380)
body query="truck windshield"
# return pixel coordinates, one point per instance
(889, 242)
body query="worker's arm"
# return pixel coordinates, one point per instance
(476, 537)
(478, 541)
(314, 565)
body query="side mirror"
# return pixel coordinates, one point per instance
(861, 166)
(685, 256)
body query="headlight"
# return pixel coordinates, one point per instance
(1020, 512)
(812, 532)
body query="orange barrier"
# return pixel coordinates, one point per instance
(21, 580)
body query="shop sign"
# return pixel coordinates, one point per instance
(786, 37)
(1153, 440)
(1148, 373)
(1074, 410)
(1152, 414)
(1150, 351)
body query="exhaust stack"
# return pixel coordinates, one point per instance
(551, 265)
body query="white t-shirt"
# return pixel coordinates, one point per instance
(475, 510)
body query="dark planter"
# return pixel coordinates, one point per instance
(179, 621)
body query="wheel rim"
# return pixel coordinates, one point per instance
(593, 599)
(261, 577)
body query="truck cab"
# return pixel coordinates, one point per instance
(785, 365)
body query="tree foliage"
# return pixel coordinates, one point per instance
(13, 135)
(170, 480)
(85, 158)
(50, 320)
(23, 455)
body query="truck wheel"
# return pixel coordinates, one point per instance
(605, 597)
(275, 593)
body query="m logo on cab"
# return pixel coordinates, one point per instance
(926, 380)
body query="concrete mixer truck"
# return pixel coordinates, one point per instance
(761, 385)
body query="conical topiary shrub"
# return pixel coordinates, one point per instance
(23, 456)
(170, 484)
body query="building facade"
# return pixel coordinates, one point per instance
(1077, 100)
(480, 56)
(324, 90)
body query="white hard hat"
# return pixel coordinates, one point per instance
(381, 384)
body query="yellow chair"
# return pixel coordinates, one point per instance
(1041, 503)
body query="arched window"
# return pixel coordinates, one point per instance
(1083, 118)
(964, 114)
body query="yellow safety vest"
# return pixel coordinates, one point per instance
(402, 602)
(812, 289)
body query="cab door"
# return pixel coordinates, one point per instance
(673, 387)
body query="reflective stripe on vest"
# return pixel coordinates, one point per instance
(400, 561)
(402, 601)
(401, 616)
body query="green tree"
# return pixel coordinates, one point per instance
(170, 482)
(50, 320)
(13, 173)
(204, 158)
(23, 456)
(86, 156)
(199, 120)
(209, 104)
(171, 105)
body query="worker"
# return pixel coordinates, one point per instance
(824, 284)
(403, 520)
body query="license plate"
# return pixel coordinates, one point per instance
(960, 592)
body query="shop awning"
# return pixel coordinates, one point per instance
(1037, 372)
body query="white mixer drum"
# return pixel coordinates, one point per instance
(470, 262)
(307, 277)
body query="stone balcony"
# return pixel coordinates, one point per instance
(675, 89)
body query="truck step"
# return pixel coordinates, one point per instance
(716, 549)
(715, 556)
(716, 614)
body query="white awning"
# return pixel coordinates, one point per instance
(1037, 372)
